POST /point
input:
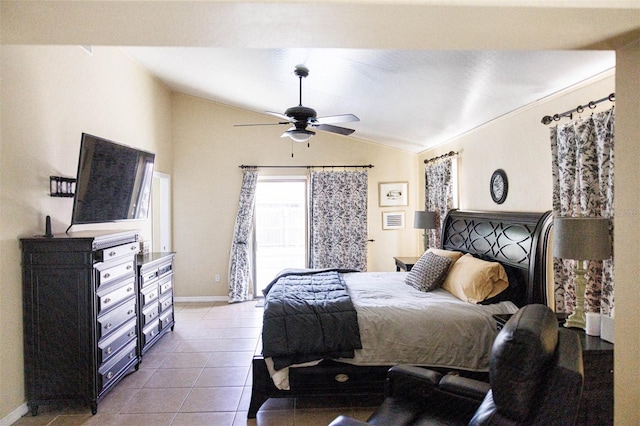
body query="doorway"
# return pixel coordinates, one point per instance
(280, 230)
(161, 213)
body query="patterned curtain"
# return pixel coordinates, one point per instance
(239, 262)
(583, 163)
(439, 194)
(338, 220)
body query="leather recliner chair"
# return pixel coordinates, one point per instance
(535, 378)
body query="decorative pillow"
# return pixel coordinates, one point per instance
(474, 280)
(429, 272)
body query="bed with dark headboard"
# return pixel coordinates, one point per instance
(518, 241)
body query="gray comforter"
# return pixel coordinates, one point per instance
(308, 315)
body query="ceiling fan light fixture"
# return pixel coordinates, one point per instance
(300, 135)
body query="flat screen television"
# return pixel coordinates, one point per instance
(113, 182)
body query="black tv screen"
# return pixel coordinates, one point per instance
(113, 182)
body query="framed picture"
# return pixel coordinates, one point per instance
(392, 220)
(393, 194)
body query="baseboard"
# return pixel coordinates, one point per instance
(200, 299)
(15, 415)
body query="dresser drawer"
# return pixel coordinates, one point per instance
(149, 313)
(166, 284)
(117, 251)
(110, 296)
(165, 269)
(112, 369)
(148, 277)
(166, 302)
(148, 295)
(150, 331)
(113, 319)
(109, 272)
(166, 319)
(116, 340)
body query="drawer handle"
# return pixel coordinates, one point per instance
(131, 355)
(107, 275)
(153, 333)
(112, 253)
(152, 295)
(109, 350)
(129, 267)
(129, 289)
(109, 374)
(108, 326)
(130, 311)
(107, 300)
(132, 333)
(341, 378)
(134, 248)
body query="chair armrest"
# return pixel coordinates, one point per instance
(410, 381)
(464, 387)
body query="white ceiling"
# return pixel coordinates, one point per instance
(408, 99)
(416, 72)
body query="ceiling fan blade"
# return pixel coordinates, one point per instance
(280, 116)
(261, 124)
(333, 129)
(330, 119)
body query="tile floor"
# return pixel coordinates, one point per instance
(200, 374)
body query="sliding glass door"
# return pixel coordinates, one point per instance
(280, 227)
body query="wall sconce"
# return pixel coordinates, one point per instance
(62, 186)
(581, 239)
(424, 220)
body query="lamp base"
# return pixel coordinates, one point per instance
(576, 320)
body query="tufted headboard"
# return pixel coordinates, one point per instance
(519, 241)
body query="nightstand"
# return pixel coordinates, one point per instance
(596, 407)
(405, 263)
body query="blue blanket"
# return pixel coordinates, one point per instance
(308, 315)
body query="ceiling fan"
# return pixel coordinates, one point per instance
(302, 117)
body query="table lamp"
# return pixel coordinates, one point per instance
(424, 220)
(581, 239)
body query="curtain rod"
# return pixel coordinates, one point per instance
(448, 154)
(547, 119)
(365, 166)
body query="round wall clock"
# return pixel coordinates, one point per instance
(498, 186)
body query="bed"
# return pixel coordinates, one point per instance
(518, 241)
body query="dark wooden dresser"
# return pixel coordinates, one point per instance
(596, 407)
(155, 279)
(80, 310)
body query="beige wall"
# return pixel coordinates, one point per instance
(48, 97)
(519, 144)
(207, 151)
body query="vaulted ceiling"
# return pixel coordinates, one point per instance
(416, 73)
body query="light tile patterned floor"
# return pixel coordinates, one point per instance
(199, 374)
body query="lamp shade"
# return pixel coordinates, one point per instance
(581, 238)
(424, 220)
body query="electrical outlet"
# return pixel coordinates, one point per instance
(217, 278)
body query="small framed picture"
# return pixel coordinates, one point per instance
(392, 220)
(393, 194)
